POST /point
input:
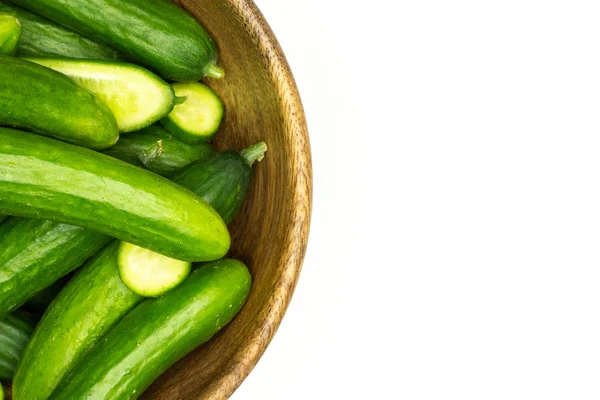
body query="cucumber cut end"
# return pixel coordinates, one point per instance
(198, 118)
(148, 273)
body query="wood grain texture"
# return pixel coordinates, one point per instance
(270, 234)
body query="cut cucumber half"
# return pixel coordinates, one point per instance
(148, 273)
(10, 32)
(197, 119)
(136, 96)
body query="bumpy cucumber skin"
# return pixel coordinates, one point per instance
(222, 180)
(157, 333)
(84, 311)
(15, 331)
(157, 34)
(138, 149)
(10, 32)
(45, 178)
(47, 102)
(36, 253)
(41, 37)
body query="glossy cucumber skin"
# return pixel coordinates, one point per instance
(157, 333)
(142, 148)
(45, 178)
(222, 180)
(15, 331)
(156, 33)
(84, 311)
(41, 37)
(35, 253)
(47, 102)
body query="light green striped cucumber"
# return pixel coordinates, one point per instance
(15, 331)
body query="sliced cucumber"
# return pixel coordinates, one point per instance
(136, 96)
(148, 273)
(10, 32)
(197, 119)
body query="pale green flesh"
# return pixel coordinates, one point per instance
(148, 273)
(202, 111)
(136, 96)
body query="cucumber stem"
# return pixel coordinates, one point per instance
(214, 71)
(179, 100)
(254, 153)
(152, 154)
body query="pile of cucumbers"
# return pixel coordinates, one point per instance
(113, 205)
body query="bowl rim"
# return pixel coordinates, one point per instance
(273, 310)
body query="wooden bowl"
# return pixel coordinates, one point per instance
(270, 234)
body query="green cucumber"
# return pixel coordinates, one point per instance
(15, 331)
(47, 102)
(45, 178)
(10, 32)
(198, 118)
(35, 253)
(223, 179)
(148, 273)
(157, 34)
(42, 299)
(2, 218)
(84, 311)
(157, 333)
(41, 37)
(157, 150)
(136, 96)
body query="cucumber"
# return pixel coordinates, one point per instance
(157, 333)
(15, 331)
(42, 299)
(157, 34)
(198, 118)
(41, 37)
(10, 32)
(91, 303)
(49, 103)
(157, 150)
(148, 273)
(136, 96)
(2, 218)
(223, 179)
(35, 253)
(45, 178)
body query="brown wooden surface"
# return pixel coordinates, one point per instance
(271, 232)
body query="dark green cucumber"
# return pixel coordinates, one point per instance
(223, 179)
(157, 150)
(157, 333)
(35, 253)
(47, 102)
(15, 331)
(45, 178)
(42, 299)
(157, 34)
(41, 37)
(2, 218)
(84, 311)
(10, 32)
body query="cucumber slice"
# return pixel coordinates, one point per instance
(197, 119)
(136, 96)
(10, 32)
(148, 273)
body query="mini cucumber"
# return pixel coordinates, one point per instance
(148, 273)
(84, 311)
(136, 96)
(15, 331)
(45, 178)
(198, 118)
(157, 150)
(10, 32)
(157, 333)
(35, 253)
(47, 102)
(41, 37)
(157, 34)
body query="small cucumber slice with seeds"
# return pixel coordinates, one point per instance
(136, 96)
(10, 32)
(148, 273)
(197, 119)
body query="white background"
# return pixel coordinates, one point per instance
(454, 250)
